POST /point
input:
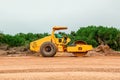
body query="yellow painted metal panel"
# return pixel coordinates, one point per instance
(79, 48)
(35, 45)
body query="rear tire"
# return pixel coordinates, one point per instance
(48, 49)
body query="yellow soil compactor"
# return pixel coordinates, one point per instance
(48, 46)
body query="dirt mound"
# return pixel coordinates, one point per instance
(102, 50)
(4, 47)
(15, 51)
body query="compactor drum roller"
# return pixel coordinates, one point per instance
(50, 45)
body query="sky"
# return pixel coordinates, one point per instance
(39, 16)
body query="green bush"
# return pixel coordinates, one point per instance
(20, 39)
(93, 35)
(96, 35)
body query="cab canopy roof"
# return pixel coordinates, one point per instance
(59, 28)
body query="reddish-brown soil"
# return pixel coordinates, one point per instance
(60, 68)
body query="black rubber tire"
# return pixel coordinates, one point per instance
(48, 49)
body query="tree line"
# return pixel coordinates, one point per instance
(94, 35)
(20, 39)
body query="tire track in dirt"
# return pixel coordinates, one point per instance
(115, 70)
(59, 64)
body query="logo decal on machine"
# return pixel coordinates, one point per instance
(79, 48)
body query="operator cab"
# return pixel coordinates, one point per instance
(62, 38)
(59, 35)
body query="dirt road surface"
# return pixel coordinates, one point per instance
(60, 68)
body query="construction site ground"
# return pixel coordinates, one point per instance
(60, 68)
